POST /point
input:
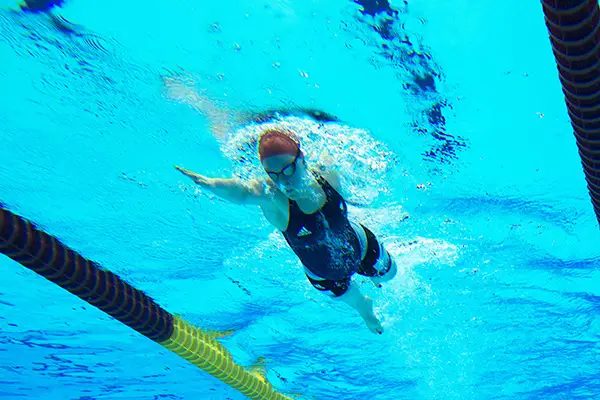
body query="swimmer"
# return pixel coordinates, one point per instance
(305, 204)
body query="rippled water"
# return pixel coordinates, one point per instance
(452, 130)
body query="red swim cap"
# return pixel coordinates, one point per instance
(275, 142)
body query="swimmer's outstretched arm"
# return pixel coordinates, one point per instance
(230, 189)
(220, 120)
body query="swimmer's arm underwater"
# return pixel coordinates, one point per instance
(230, 189)
(330, 170)
(333, 174)
(335, 180)
(182, 90)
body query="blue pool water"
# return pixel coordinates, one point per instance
(457, 149)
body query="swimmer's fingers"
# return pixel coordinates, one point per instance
(184, 171)
(199, 179)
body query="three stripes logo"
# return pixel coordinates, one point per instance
(303, 232)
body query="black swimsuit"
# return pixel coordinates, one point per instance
(324, 241)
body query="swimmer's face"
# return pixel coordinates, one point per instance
(287, 172)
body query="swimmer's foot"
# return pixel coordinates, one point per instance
(370, 319)
(364, 305)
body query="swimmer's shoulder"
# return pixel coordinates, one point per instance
(331, 175)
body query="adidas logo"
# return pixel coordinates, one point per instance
(304, 232)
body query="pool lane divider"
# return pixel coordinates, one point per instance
(49, 257)
(574, 28)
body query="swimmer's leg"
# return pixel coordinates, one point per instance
(349, 292)
(377, 264)
(364, 305)
(378, 280)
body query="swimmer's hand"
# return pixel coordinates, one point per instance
(197, 178)
(183, 89)
(231, 189)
